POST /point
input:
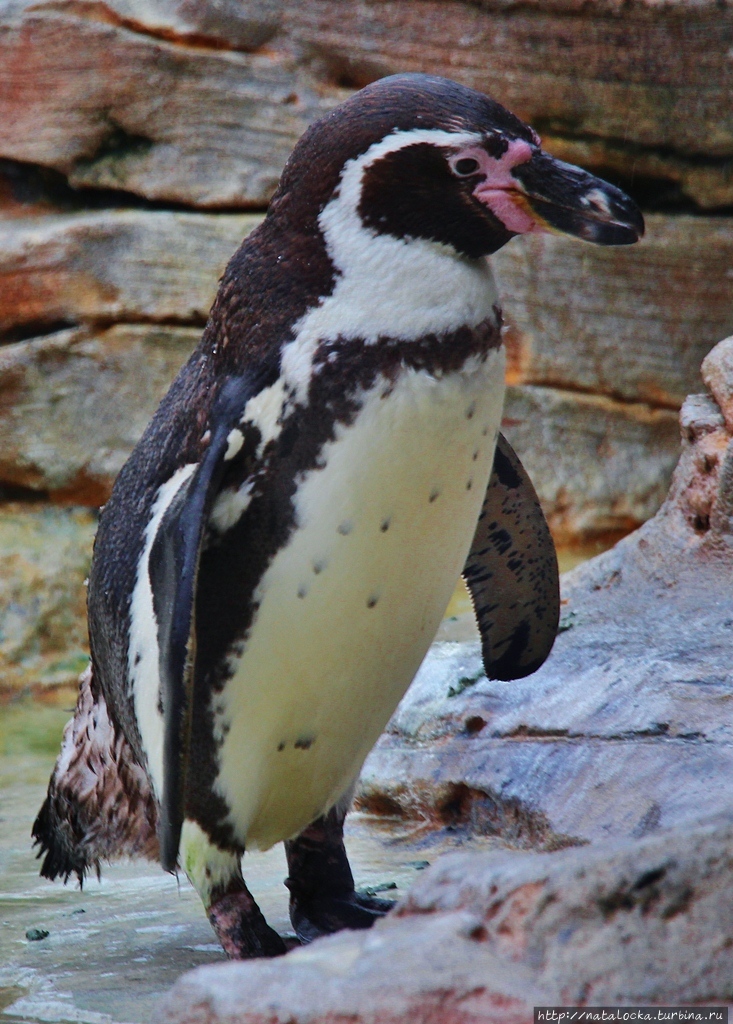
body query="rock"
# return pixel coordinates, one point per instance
(623, 730)
(646, 921)
(45, 555)
(128, 265)
(575, 320)
(632, 323)
(600, 467)
(131, 111)
(74, 403)
(235, 24)
(485, 937)
(572, 69)
(438, 971)
(154, 105)
(717, 372)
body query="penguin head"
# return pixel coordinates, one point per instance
(422, 157)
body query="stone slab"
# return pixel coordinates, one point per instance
(486, 937)
(574, 71)
(73, 404)
(131, 111)
(45, 555)
(600, 467)
(232, 24)
(154, 105)
(125, 265)
(633, 322)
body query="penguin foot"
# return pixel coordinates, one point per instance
(324, 915)
(241, 928)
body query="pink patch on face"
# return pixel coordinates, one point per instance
(500, 190)
(506, 207)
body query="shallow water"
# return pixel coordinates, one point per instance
(114, 948)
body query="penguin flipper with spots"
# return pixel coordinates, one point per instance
(173, 568)
(512, 573)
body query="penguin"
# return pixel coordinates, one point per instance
(280, 547)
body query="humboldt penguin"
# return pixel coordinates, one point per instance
(278, 551)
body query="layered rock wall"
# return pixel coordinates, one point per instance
(141, 139)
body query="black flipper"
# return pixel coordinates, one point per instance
(512, 574)
(173, 568)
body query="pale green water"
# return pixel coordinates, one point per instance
(116, 947)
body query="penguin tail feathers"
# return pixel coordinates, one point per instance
(99, 804)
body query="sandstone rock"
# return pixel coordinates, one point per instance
(73, 404)
(600, 467)
(134, 112)
(717, 372)
(204, 125)
(128, 265)
(437, 971)
(45, 554)
(623, 730)
(236, 24)
(485, 937)
(633, 323)
(573, 70)
(646, 921)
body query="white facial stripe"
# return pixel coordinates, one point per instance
(142, 653)
(401, 288)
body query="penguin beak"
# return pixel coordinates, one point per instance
(563, 198)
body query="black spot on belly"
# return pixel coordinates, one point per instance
(470, 411)
(302, 590)
(469, 484)
(372, 600)
(304, 742)
(475, 455)
(435, 493)
(345, 528)
(281, 745)
(385, 525)
(319, 565)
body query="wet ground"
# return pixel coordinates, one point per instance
(105, 955)
(114, 948)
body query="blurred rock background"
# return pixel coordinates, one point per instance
(141, 139)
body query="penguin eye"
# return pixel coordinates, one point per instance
(465, 166)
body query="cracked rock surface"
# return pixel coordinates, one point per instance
(483, 938)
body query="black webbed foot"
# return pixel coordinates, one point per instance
(322, 894)
(316, 917)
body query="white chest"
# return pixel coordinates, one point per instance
(349, 607)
